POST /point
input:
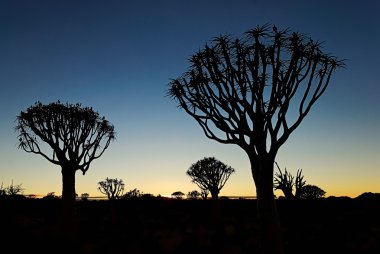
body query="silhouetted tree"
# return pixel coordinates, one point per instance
(76, 136)
(2, 190)
(11, 190)
(312, 192)
(112, 187)
(210, 174)
(240, 91)
(285, 182)
(193, 194)
(178, 194)
(204, 193)
(135, 193)
(50, 196)
(84, 196)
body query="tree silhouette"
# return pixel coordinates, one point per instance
(11, 190)
(193, 194)
(178, 194)
(112, 187)
(76, 136)
(312, 192)
(210, 174)
(285, 182)
(241, 91)
(204, 193)
(133, 194)
(84, 196)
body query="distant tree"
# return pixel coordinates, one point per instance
(14, 189)
(242, 91)
(74, 134)
(178, 195)
(11, 190)
(50, 196)
(210, 174)
(84, 196)
(112, 187)
(204, 194)
(285, 183)
(312, 192)
(193, 194)
(133, 194)
(2, 190)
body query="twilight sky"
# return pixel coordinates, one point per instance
(119, 56)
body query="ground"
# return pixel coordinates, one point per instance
(158, 225)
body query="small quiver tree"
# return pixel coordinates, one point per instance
(210, 174)
(112, 187)
(285, 182)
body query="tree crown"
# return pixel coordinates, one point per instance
(239, 90)
(77, 135)
(210, 173)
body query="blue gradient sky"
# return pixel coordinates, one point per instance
(119, 56)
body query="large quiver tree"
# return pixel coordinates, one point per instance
(241, 91)
(74, 136)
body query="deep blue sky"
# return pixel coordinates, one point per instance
(119, 56)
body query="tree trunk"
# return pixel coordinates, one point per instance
(270, 231)
(68, 201)
(214, 194)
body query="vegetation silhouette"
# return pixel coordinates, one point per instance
(112, 187)
(178, 194)
(311, 192)
(133, 194)
(285, 182)
(193, 194)
(73, 135)
(11, 190)
(240, 91)
(210, 174)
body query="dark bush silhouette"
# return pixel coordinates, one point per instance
(84, 196)
(112, 187)
(11, 190)
(51, 196)
(210, 174)
(312, 192)
(178, 194)
(240, 91)
(204, 193)
(133, 194)
(193, 194)
(76, 135)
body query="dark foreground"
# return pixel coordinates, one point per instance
(333, 225)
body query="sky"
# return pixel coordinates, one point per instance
(119, 56)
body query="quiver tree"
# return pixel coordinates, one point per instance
(241, 91)
(74, 136)
(210, 174)
(112, 187)
(285, 182)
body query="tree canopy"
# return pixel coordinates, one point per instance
(210, 174)
(77, 135)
